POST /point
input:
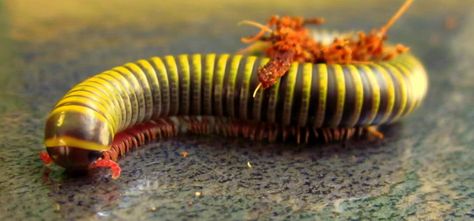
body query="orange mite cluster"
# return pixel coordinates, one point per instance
(290, 41)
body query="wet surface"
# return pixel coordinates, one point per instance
(424, 169)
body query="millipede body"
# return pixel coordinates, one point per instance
(127, 106)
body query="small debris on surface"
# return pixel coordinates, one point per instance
(57, 207)
(152, 208)
(184, 154)
(450, 23)
(249, 165)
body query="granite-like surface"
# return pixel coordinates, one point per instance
(423, 170)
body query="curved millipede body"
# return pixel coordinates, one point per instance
(127, 106)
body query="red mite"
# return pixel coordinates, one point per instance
(290, 41)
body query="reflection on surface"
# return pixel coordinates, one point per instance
(159, 180)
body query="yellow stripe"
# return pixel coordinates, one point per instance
(88, 95)
(234, 68)
(375, 94)
(163, 76)
(74, 142)
(85, 111)
(208, 78)
(88, 103)
(110, 94)
(88, 99)
(220, 72)
(359, 95)
(289, 93)
(306, 94)
(144, 87)
(410, 88)
(390, 92)
(323, 91)
(421, 81)
(197, 73)
(174, 85)
(155, 87)
(341, 95)
(185, 83)
(414, 72)
(124, 96)
(244, 91)
(403, 90)
(129, 91)
(136, 90)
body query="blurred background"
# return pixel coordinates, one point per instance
(422, 170)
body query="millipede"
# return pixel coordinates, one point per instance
(107, 115)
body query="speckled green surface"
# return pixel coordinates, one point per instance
(424, 169)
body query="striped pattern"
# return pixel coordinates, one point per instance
(315, 95)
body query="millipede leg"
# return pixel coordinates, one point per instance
(106, 163)
(132, 138)
(373, 131)
(44, 156)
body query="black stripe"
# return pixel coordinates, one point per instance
(297, 95)
(238, 85)
(314, 100)
(109, 97)
(350, 97)
(368, 97)
(139, 90)
(225, 83)
(409, 92)
(86, 104)
(152, 89)
(265, 103)
(133, 100)
(191, 84)
(214, 101)
(181, 88)
(411, 68)
(331, 101)
(173, 92)
(398, 94)
(165, 96)
(384, 96)
(253, 82)
(203, 86)
(122, 94)
(133, 90)
(214, 85)
(265, 99)
(203, 70)
(136, 91)
(281, 99)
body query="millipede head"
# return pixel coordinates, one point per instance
(73, 158)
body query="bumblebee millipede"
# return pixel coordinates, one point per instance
(111, 113)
